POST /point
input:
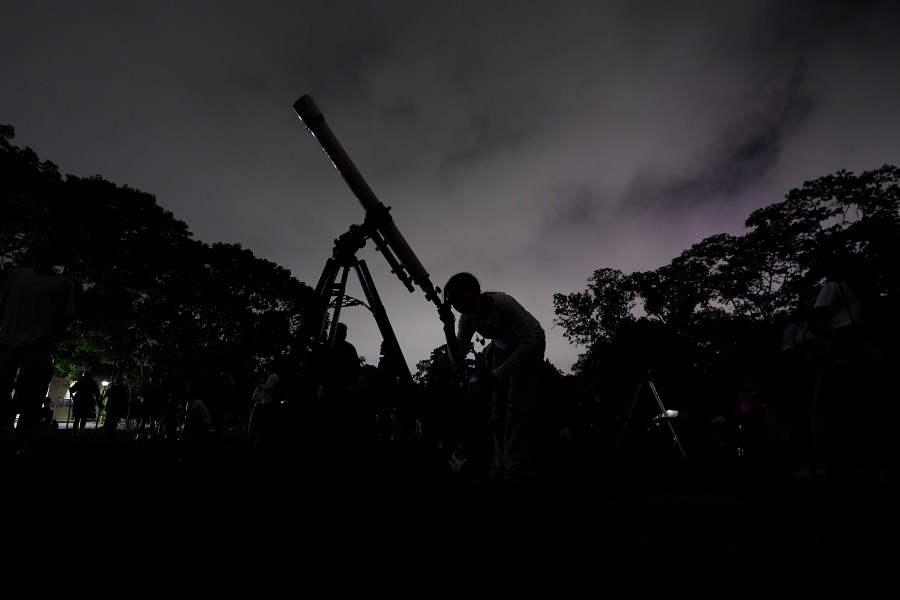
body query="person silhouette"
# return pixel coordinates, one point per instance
(337, 393)
(265, 426)
(255, 398)
(388, 391)
(844, 415)
(198, 421)
(154, 399)
(518, 345)
(172, 418)
(117, 399)
(223, 401)
(36, 305)
(797, 371)
(85, 395)
(342, 368)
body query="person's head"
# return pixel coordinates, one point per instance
(462, 292)
(808, 298)
(341, 331)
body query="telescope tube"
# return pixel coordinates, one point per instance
(312, 117)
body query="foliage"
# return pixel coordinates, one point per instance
(596, 314)
(27, 191)
(724, 300)
(148, 296)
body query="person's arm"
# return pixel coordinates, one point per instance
(457, 341)
(445, 312)
(527, 339)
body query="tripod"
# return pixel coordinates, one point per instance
(331, 291)
(663, 414)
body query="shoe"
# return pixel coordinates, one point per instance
(809, 473)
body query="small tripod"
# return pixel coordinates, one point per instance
(663, 415)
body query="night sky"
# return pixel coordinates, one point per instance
(529, 143)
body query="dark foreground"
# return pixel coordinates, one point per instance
(217, 518)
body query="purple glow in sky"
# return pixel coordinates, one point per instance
(529, 143)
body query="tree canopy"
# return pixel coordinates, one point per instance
(148, 295)
(724, 301)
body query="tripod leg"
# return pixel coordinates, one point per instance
(665, 415)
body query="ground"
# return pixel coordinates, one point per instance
(220, 516)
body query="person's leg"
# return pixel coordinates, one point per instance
(499, 406)
(522, 437)
(880, 422)
(499, 415)
(855, 441)
(822, 421)
(112, 423)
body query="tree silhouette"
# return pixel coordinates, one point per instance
(147, 293)
(722, 301)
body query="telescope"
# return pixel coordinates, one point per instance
(383, 231)
(379, 227)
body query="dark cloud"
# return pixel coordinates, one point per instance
(573, 206)
(743, 155)
(484, 134)
(531, 142)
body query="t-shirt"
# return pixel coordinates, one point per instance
(843, 310)
(510, 327)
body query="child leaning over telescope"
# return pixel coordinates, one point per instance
(519, 343)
